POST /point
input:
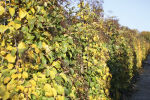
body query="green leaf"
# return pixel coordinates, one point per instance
(33, 97)
(30, 37)
(2, 10)
(43, 60)
(40, 44)
(39, 25)
(51, 98)
(25, 29)
(72, 71)
(17, 21)
(12, 11)
(13, 52)
(60, 89)
(64, 76)
(31, 23)
(70, 40)
(64, 49)
(47, 72)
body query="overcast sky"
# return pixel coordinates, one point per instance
(132, 13)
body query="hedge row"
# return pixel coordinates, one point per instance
(43, 57)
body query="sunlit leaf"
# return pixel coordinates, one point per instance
(6, 80)
(60, 97)
(10, 58)
(10, 66)
(22, 13)
(12, 11)
(33, 11)
(2, 10)
(3, 28)
(24, 75)
(52, 74)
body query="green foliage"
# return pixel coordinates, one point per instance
(46, 56)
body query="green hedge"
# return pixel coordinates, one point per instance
(43, 57)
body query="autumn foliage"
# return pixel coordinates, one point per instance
(50, 53)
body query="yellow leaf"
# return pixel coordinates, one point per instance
(35, 47)
(24, 75)
(21, 95)
(19, 75)
(14, 25)
(3, 28)
(90, 98)
(6, 80)
(2, 10)
(10, 86)
(22, 13)
(63, 76)
(31, 54)
(10, 66)
(3, 43)
(46, 47)
(95, 62)
(60, 98)
(56, 64)
(72, 95)
(37, 50)
(20, 88)
(6, 96)
(10, 58)
(33, 11)
(47, 87)
(11, 23)
(105, 77)
(54, 92)
(57, 45)
(33, 83)
(3, 53)
(20, 70)
(13, 76)
(9, 48)
(49, 94)
(96, 38)
(35, 93)
(29, 16)
(89, 64)
(3, 90)
(26, 90)
(12, 11)
(33, 88)
(21, 45)
(52, 74)
(17, 26)
(48, 90)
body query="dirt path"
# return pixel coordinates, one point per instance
(143, 85)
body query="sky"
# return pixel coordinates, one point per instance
(134, 14)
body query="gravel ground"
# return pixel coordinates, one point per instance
(143, 84)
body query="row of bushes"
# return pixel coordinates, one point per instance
(45, 55)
